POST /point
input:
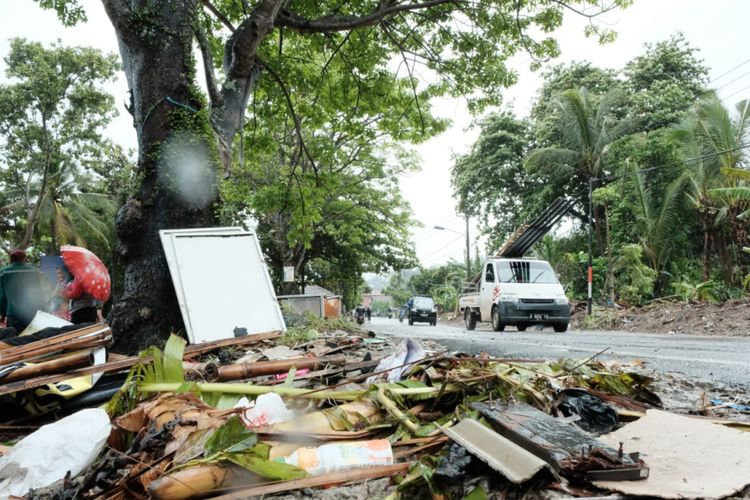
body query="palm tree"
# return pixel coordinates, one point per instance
(66, 207)
(719, 179)
(587, 131)
(655, 219)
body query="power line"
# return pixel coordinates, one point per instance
(743, 75)
(730, 70)
(737, 92)
(444, 248)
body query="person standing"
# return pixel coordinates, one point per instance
(21, 294)
(82, 305)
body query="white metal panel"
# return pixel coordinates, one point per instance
(167, 242)
(221, 282)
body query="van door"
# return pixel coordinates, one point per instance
(487, 291)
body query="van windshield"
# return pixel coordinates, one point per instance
(523, 271)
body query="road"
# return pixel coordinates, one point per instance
(723, 360)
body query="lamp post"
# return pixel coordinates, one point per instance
(468, 251)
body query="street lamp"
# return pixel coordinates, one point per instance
(466, 234)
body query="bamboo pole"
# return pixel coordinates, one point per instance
(248, 370)
(50, 367)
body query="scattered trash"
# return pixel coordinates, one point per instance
(395, 365)
(596, 416)
(718, 403)
(338, 409)
(69, 445)
(268, 409)
(339, 456)
(280, 352)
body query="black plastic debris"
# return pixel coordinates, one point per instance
(596, 416)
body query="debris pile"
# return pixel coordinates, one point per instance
(251, 416)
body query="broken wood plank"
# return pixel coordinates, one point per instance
(90, 341)
(568, 449)
(333, 478)
(128, 362)
(16, 353)
(196, 349)
(515, 463)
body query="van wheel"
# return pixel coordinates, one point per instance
(497, 325)
(560, 327)
(469, 319)
(521, 328)
(411, 322)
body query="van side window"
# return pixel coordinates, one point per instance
(504, 273)
(489, 274)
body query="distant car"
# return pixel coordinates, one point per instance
(423, 310)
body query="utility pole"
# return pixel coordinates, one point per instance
(468, 250)
(591, 237)
(465, 235)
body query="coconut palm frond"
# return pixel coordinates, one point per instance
(559, 161)
(577, 123)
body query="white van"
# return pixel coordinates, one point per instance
(519, 292)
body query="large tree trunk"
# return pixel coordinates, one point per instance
(182, 141)
(158, 63)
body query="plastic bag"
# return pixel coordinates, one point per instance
(46, 455)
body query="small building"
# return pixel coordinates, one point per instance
(370, 298)
(316, 300)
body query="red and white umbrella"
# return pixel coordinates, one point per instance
(87, 268)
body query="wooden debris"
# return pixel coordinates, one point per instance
(320, 480)
(57, 365)
(248, 370)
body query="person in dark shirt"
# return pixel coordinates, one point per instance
(21, 292)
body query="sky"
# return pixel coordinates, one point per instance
(716, 27)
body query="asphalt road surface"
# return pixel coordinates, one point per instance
(724, 360)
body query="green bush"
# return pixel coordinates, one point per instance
(634, 280)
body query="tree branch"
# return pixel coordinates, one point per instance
(295, 117)
(208, 68)
(334, 22)
(217, 13)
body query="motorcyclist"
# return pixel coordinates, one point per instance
(359, 314)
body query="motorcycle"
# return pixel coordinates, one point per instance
(359, 316)
(401, 315)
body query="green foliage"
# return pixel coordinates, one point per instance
(53, 183)
(572, 269)
(601, 318)
(296, 335)
(635, 279)
(443, 283)
(232, 437)
(708, 291)
(489, 181)
(664, 82)
(234, 442)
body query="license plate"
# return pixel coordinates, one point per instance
(423, 314)
(538, 316)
